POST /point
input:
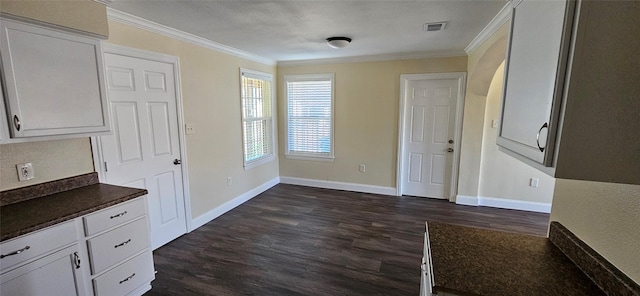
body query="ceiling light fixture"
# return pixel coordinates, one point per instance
(338, 42)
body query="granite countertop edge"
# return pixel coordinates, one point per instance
(85, 211)
(30, 214)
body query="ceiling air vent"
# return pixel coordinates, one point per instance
(433, 27)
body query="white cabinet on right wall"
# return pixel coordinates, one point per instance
(571, 97)
(538, 45)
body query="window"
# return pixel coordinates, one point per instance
(309, 116)
(257, 117)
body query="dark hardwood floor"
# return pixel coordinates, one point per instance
(294, 240)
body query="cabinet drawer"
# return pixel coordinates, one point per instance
(36, 244)
(116, 245)
(126, 277)
(113, 216)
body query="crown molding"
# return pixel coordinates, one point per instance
(140, 23)
(502, 17)
(105, 2)
(376, 58)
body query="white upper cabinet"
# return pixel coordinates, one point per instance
(571, 100)
(535, 68)
(53, 82)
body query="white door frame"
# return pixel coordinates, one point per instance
(404, 78)
(96, 148)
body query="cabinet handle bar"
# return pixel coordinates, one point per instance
(118, 215)
(76, 259)
(130, 277)
(545, 125)
(122, 243)
(16, 122)
(15, 252)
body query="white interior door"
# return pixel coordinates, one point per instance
(145, 144)
(430, 106)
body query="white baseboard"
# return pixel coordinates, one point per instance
(228, 206)
(339, 185)
(467, 200)
(504, 203)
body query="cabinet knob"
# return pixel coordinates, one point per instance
(545, 125)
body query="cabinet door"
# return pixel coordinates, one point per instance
(534, 76)
(55, 274)
(53, 81)
(4, 131)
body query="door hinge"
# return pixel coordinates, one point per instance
(105, 167)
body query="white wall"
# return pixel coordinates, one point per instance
(606, 216)
(502, 176)
(487, 175)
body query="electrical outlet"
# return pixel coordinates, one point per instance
(363, 168)
(533, 182)
(229, 181)
(190, 129)
(25, 171)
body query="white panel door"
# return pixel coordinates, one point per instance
(429, 121)
(144, 145)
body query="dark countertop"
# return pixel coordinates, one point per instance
(32, 214)
(471, 261)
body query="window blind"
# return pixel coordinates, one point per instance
(257, 117)
(309, 116)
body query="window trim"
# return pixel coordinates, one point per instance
(323, 157)
(267, 157)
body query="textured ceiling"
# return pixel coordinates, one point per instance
(296, 29)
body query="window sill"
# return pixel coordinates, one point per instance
(258, 162)
(310, 158)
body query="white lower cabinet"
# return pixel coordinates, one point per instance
(114, 260)
(55, 274)
(426, 282)
(44, 262)
(119, 247)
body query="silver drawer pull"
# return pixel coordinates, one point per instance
(130, 277)
(15, 252)
(118, 215)
(122, 244)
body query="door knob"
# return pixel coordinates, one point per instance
(449, 149)
(177, 161)
(450, 141)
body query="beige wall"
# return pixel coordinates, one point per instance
(481, 66)
(502, 176)
(366, 118)
(51, 160)
(606, 216)
(84, 15)
(57, 159)
(211, 99)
